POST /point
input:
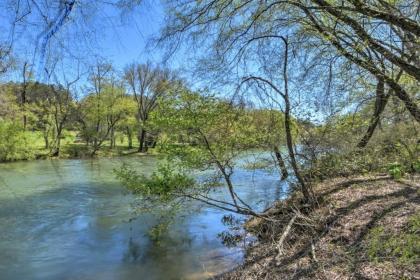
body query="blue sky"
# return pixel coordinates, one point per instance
(128, 36)
(96, 31)
(115, 35)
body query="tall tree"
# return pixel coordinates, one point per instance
(207, 132)
(285, 96)
(148, 84)
(103, 108)
(366, 34)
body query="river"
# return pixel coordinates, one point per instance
(70, 219)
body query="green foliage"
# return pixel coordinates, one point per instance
(394, 149)
(159, 194)
(416, 166)
(268, 127)
(403, 247)
(203, 131)
(164, 183)
(396, 170)
(15, 143)
(9, 108)
(345, 164)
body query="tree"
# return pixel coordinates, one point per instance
(63, 104)
(23, 94)
(42, 27)
(148, 84)
(39, 110)
(269, 132)
(14, 141)
(9, 105)
(284, 94)
(333, 41)
(102, 109)
(203, 131)
(378, 38)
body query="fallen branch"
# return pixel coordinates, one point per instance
(313, 251)
(283, 238)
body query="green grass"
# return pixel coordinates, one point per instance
(70, 148)
(403, 247)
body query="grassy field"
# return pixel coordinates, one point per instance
(72, 147)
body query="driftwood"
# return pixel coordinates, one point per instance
(283, 238)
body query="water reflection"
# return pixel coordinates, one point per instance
(133, 251)
(69, 219)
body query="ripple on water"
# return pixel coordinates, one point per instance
(68, 219)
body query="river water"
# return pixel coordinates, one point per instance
(70, 219)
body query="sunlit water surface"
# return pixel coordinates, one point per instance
(70, 219)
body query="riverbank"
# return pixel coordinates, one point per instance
(81, 151)
(34, 147)
(363, 227)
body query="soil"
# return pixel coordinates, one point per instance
(330, 240)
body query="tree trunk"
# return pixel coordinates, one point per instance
(23, 95)
(229, 183)
(55, 152)
(112, 138)
(58, 147)
(398, 90)
(409, 103)
(142, 138)
(57, 144)
(47, 142)
(130, 138)
(290, 148)
(95, 144)
(281, 163)
(154, 143)
(287, 125)
(381, 101)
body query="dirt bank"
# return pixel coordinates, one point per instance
(362, 228)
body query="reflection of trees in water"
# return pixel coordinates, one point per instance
(170, 236)
(168, 241)
(133, 253)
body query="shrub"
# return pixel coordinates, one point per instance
(15, 142)
(416, 166)
(390, 159)
(332, 150)
(396, 170)
(163, 184)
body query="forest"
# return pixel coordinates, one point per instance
(319, 96)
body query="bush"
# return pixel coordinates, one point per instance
(389, 159)
(332, 150)
(15, 142)
(396, 170)
(163, 184)
(416, 166)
